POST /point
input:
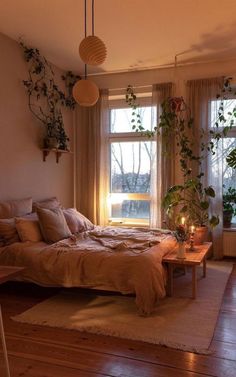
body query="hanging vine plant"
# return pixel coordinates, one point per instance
(131, 100)
(175, 123)
(46, 99)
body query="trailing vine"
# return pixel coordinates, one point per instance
(45, 98)
(131, 100)
(175, 123)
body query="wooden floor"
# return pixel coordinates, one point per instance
(36, 351)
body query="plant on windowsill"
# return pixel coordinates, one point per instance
(46, 100)
(191, 199)
(229, 206)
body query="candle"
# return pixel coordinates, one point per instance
(192, 228)
(182, 220)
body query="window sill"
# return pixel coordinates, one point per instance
(231, 229)
(128, 223)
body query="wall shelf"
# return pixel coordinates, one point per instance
(58, 153)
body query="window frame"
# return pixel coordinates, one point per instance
(119, 137)
(230, 134)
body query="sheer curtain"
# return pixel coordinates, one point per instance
(162, 169)
(200, 93)
(92, 127)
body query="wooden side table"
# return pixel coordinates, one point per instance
(193, 259)
(6, 274)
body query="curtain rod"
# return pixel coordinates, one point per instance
(136, 87)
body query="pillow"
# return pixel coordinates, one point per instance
(8, 232)
(28, 229)
(50, 203)
(12, 208)
(53, 224)
(76, 221)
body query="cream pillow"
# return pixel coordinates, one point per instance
(53, 224)
(28, 229)
(76, 221)
(12, 208)
(50, 203)
(8, 232)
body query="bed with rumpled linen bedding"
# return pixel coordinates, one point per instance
(126, 260)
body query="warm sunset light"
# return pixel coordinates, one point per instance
(117, 198)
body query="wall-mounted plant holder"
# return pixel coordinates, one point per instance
(58, 153)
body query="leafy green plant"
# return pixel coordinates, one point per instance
(229, 201)
(231, 159)
(131, 100)
(229, 206)
(45, 99)
(191, 199)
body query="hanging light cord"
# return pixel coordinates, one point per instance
(85, 28)
(85, 33)
(92, 17)
(85, 18)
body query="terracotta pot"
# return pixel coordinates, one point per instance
(200, 235)
(51, 142)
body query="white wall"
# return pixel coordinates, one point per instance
(22, 170)
(177, 75)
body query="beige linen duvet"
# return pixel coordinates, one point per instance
(121, 259)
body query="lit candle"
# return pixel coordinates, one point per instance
(192, 228)
(182, 220)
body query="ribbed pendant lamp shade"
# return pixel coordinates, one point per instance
(92, 50)
(85, 93)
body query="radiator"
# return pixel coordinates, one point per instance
(229, 243)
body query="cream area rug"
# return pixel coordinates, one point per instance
(178, 322)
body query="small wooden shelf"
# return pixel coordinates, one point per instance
(58, 153)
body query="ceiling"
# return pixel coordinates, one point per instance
(139, 34)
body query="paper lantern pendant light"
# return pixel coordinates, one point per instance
(92, 50)
(85, 93)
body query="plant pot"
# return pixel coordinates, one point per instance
(181, 254)
(227, 218)
(200, 235)
(51, 142)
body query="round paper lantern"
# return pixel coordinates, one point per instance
(85, 93)
(92, 50)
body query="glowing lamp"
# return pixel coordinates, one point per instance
(92, 50)
(85, 93)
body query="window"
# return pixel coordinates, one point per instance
(229, 143)
(131, 160)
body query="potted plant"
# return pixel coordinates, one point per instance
(191, 198)
(45, 99)
(229, 206)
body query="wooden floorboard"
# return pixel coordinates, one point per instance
(38, 351)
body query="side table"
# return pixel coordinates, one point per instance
(193, 259)
(6, 274)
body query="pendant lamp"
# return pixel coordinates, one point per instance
(92, 49)
(85, 92)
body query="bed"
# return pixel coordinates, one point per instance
(126, 260)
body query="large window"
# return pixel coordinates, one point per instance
(229, 143)
(131, 163)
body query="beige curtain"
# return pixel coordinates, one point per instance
(200, 93)
(92, 127)
(162, 174)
